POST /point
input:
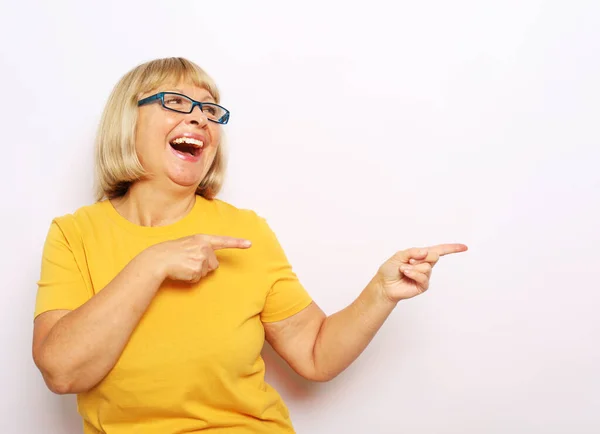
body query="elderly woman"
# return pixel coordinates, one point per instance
(154, 303)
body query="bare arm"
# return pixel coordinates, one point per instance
(74, 350)
(319, 347)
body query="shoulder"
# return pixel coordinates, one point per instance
(235, 213)
(227, 207)
(235, 216)
(72, 224)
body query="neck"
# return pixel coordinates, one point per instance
(149, 205)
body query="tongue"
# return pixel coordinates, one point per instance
(184, 148)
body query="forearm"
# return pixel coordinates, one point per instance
(84, 345)
(344, 335)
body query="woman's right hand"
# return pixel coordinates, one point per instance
(191, 258)
(61, 344)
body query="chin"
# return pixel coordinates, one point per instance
(187, 175)
(184, 178)
(186, 183)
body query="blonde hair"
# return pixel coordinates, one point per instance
(116, 163)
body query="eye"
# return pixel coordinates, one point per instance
(209, 110)
(174, 100)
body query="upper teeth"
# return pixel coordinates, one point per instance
(189, 141)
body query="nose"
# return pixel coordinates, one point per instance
(197, 117)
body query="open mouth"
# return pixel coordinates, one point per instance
(187, 146)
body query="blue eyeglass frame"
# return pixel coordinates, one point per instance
(161, 97)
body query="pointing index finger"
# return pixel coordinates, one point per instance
(447, 249)
(218, 242)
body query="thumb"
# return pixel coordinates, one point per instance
(404, 256)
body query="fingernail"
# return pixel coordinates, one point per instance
(413, 261)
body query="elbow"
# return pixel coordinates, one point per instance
(57, 386)
(318, 376)
(65, 385)
(58, 382)
(57, 379)
(324, 378)
(316, 371)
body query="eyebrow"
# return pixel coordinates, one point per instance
(174, 89)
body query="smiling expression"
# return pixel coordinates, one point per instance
(176, 147)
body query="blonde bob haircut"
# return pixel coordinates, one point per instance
(116, 163)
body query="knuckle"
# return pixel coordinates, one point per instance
(202, 255)
(402, 254)
(190, 240)
(195, 277)
(198, 240)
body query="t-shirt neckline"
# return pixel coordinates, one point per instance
(171, 228)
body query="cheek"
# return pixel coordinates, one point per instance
(215, 135)
(141, 144)
(216, 140)
(169, 120)
(163, 125)
(151, 133)
(210, 158)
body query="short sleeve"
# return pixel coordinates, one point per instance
(286, 295)
(61, 284)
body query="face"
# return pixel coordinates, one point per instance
(176, 147)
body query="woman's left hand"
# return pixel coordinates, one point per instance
(407, 273)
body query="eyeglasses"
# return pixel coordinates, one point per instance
(183, 104)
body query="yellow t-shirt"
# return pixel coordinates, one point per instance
(194, 361)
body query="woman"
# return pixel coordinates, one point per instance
(154, 303)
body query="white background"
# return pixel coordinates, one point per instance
(357, 129)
